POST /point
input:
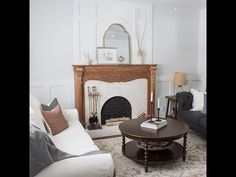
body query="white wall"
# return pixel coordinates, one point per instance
(178, 42)
(202, 48)
(51, 49)
(93, 17)
(175, 41)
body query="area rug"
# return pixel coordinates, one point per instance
(194, 166)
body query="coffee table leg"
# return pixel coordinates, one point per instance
(184, 147)
(146, 157)
(123, 144)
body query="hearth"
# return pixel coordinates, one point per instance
(116, 107)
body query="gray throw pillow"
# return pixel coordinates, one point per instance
(50, 106)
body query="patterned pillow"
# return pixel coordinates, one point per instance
(53, 116)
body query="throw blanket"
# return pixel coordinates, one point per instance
(43, 152)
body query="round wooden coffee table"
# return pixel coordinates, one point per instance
(146, 137)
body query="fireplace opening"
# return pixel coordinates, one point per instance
(116, 107)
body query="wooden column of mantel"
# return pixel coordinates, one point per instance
(113, 73)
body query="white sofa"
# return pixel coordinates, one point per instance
(73, 140)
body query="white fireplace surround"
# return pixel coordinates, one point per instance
(134, 91)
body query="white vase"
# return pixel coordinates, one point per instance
(140, 56)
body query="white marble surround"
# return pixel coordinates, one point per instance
(134, 91)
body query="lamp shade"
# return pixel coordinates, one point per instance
(179, 79)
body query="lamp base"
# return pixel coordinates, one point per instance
(179, 89)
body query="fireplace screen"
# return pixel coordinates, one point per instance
(115, 107)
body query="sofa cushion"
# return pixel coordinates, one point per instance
(202, 122)
(202, 126)
(54, 117)
(192, 116)
(74, 140)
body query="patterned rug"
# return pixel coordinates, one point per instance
(194, 166)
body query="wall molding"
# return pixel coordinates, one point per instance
(98, 21)
(190, 77)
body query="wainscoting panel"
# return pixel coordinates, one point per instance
(62, 90)
(41, 92)
(62, 93)
(91, 20)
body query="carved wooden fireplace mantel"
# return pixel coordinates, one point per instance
(113, 73)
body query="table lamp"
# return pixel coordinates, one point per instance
(179, 80)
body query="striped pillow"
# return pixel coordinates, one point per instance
(54, 118)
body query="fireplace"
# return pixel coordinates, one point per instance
(115, 107)
(103, 76)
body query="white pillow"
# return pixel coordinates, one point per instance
(198, 100)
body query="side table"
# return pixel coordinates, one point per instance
(172, 99)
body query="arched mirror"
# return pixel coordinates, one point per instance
(116, 36)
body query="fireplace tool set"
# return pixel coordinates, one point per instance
(93, 100)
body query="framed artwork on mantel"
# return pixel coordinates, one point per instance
(106, 55)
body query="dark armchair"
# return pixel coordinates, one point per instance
(196, 120)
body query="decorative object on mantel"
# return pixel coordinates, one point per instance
(87, 58)
(140, 55)
(106, 55)
(139, 38)
(179, 79)
(117, 36)
(93, 99)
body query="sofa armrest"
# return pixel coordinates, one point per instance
(71, 114)
(99, 165)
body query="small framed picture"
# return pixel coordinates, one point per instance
(106, 55)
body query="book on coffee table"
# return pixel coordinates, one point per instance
(154, 123)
